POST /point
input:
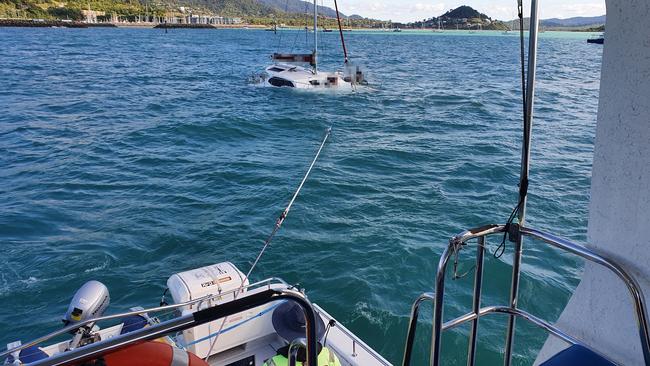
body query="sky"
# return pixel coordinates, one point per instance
(412, 10)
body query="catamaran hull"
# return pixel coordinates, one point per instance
(298, 77)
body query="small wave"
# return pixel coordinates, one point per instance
(363, 310)
(4, 284)
(30, 280)
(98, 268)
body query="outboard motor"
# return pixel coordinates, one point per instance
(90, 301)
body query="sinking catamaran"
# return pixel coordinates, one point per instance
(289, 70)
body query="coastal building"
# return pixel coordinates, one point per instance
(202, 19)
(208, 19)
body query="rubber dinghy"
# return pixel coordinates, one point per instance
(216, 318)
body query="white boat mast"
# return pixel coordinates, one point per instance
(315, 38)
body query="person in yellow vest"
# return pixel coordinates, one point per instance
(326, 357)
(289, 323)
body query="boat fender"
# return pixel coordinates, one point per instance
(29, 355)
(133, 322)
(152, 354)
(326, 357)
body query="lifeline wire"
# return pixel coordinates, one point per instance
(278, 223)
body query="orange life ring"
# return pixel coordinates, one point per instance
(152, 354)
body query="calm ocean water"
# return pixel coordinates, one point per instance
(129, 155)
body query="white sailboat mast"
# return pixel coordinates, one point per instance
(315, 37)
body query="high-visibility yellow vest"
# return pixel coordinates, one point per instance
(325, 358)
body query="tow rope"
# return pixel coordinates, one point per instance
(278, 224)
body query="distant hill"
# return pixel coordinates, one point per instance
(463, 17)
(299, 7)
(228, 7)
(574, 22)
(289, 12)
(463, 12)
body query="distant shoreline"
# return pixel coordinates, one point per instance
(43, 23)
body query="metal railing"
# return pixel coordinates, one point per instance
(181, 323)
(516, 232)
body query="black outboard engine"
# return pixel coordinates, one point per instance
(90, 301)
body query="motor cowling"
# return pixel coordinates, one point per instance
(90, 301)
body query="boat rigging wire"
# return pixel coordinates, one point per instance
(278, 224)
(523, 184)
(520, 12)
(275, 26)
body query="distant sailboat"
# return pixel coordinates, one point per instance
(439, 30)
(287, 69)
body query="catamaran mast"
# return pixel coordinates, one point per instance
(315, 38)
(338, 19)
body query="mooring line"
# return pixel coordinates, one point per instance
(278, 224)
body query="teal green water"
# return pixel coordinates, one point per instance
(129, 155)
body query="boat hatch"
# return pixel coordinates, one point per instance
(276, 81)
(309, 58)
(276, 69)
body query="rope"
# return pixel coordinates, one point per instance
(297, 35)
(278, 224)
(275, 26)
(498, 252)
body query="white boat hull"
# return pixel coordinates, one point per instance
(293, 76)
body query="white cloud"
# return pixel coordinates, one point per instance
(427, 7)
(500, 12)
(396, 10)
(575, 10)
